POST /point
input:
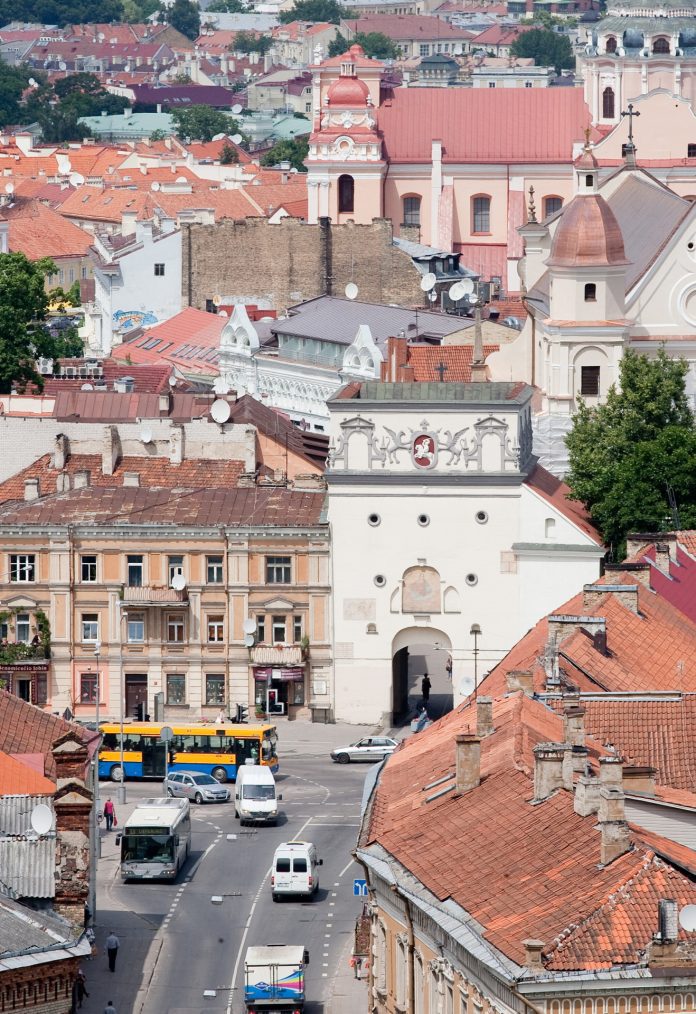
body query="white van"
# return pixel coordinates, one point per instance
(255, 797)
(295, 869)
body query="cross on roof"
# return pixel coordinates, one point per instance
(442, 370)
(630, 113)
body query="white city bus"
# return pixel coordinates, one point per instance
(156, 839)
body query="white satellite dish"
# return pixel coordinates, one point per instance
(237, 139)
(456, 291)
(351, 290)
(237, 108)
(42, 820)
(87, 387)
(181, 179)
(223, 313)
(76, 179)
(432, 296)
(428, 282)
(473, 299)
(467, 285)
(178, 582)
(249, 640)
(32, 82)
(9, 188)
(687, 918)
(217, 300)
(146, 435)
(220, 411)
(219, 137)
(249, 626)
(155, 186)
(173, 381)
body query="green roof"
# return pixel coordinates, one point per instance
(135, 126)
(374, 390)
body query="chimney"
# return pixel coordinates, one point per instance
(574, 724)
(61, 452)
(128, 220)
(616, 838)
(484, 717)
(111, 450)
(468, 755)
(548, 769)
(532, 950)
(81, 479)
(32, 490)
(164, 403)
(73, 806)
(599, 640)
(131, 479)
(636, 542)
(662, 557)
(176, 444)
(520, 679)
(586, 799)
(639, 778)
(638, 571)
(668, 920)
(626, 594)
(611, 771)
(562, 627)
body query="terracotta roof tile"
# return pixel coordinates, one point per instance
(457, 358)
(19, 779)
(24, 728)
(38, 231)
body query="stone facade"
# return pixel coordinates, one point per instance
(291, 261)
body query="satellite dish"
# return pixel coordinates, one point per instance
(237, 108)
(9, 188)
(220, 411)
(217, 300)
(42, 822)
(473, 299)
(87, 387)
(76, 179)
(249, 626)
(351, 290)
(248, 640)
(467, 285)
(32, 82)
(173, 381)
(62, 65)
(155, 186)
(456, 291)
(178, 582)
(432, 296)
(181, 179)
(687, 916)
(237, 138)
(219, 137)
(146, 435)
(428, 282)
(223, 313)
(621, 51)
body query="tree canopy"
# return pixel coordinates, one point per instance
(13, 82)
(251, 42)
(314, 10)
(58, 108)
(201, 123)
(227, 7)
(547, 48)
(24, 337)
(377, 45)
(185, 16)
(294, 152)
(60, 12)
(626, 454)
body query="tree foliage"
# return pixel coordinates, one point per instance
(251, 42)
(24, 337)
(226, 7)
(13, 82)
(547, 48)
(377, 45)
(314, 10)
(228, 154)
(626, 453)
(58, 108)
(139, 10)
(294, 152)
(185, 16)
(60, 12)
(202, 123)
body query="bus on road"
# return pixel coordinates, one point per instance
(216, 750)
(156, 840)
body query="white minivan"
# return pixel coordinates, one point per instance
(255, 797)
(295, 869)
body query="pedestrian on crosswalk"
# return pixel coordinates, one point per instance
(112, 945)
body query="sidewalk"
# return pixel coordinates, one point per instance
(348, 994)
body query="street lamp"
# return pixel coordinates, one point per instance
(475, 633)
(121, 693)
(96, 838)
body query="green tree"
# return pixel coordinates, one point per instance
(314, 10)
(547, 48)
(201, 123)
(226, 7)
(60, 12)
(185, 16)
(376, 45)
(251, 42)
(139, 10)
(24, 337)
(338, 45)
(13, 82)
(625, 453)
(58, 109)
(294, 152)
(228, 154)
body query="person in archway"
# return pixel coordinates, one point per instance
(425, 688)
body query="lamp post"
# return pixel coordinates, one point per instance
(475, 633)
(96, 838)
(121, 695)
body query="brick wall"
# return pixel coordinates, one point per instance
(44, 989)
(73, 806)
(292, 261)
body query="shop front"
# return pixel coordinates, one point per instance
(279, 690)
(26, 680)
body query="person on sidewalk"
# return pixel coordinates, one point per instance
(221, 717)
(110, 1009)
(112, 946)
(109, 813)
(81, 987)
(425, 691)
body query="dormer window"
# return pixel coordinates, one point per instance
(347, 68)
(611, 44)
(589, 180)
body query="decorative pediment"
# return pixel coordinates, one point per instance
(362, 357)
(239, 334)
(279, 604)
(21, 602)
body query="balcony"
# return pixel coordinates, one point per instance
(21, 652)
(142, 596)
(278, 656)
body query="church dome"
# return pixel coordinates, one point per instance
(348, 92)
(588, 235)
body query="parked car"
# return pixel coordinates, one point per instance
(371, 748)
(196, 786)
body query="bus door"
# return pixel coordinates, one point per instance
(154, 758)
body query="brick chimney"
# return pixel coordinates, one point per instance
(177, 443)
(73, 806)
(533, 953)
(468, 756)
(611, 771)
(636, 542)
(32, 489)
(548, 769)
(586, 798)
(61, 452)
(616, 838)
(574, 724)
(668, 920)
(111, 450)
(626, 594)
(520, 679)
(662, 557)
(638, 571)
(560, 628)
(484, 716)
(639, 778)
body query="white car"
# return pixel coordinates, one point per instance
(371, 748)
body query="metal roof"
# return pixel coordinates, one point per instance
(15, 813)
(374, 390)
(27, 867)
(32, 938)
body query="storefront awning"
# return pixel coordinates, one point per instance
(280, 673)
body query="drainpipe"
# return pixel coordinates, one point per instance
(228, 618)
(71, 623)
(410, 968)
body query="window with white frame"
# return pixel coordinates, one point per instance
(216, 629)
(90, 628)
(23, 568)
(88, 569)
(175, 628)
(175, 568)
(214, 569)
(278, 570)
(135, 628)
(418, 984)
(381, 970)
(22, 628)
(176, 688)
(401, 973)
(278, 629)
(134, 571)
(260, 628)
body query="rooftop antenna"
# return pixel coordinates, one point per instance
(672, 500)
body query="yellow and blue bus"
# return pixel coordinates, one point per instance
(216, 750)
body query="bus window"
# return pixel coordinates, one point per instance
(110, 741)
(247, 749)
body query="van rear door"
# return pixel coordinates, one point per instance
(283, 872)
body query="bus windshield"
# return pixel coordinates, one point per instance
(148, 848)
(258, 792)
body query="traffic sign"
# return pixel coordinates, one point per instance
(360, 888)
(166, 734)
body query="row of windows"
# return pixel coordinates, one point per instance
(175, 693)
(280, 628)
(59, 277)
(278, 569)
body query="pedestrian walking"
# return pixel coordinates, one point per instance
(448, 667)
(112, 946)
(109, 814)
(425, 688)
(221, 717)
(110, 1009)
(81, 987)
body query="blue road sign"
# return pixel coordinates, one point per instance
(360, 888)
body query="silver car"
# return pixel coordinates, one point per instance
(371, 748)
(196, 786)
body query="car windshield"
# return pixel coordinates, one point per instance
(258, 792)
(204, 780)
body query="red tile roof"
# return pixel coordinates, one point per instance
(509, 125)
(537, 866)
(457, 358)
(407, 27)
(498, 35)
(37, 231)
(24, 728)
(19, 779)
(148, 379)
(555, 492)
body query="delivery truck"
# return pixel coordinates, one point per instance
(274, 978)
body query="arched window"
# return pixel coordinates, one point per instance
(550, 528)
(611, 44)
(661, 45)
(608, 104)
(481, 214)
(346, 193)
(412, 208)
(552, 205)
(590, 293)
